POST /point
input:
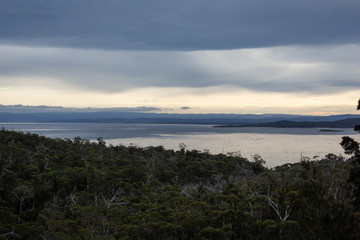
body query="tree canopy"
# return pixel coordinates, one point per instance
(352, 148)
(77, 189)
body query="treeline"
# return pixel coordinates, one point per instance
(77, 189)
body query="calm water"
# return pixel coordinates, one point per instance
(275, 145)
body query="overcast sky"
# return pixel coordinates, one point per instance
(231, 56)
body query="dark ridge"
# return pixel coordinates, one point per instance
(344, 123)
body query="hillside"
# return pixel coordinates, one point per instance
(76, 189)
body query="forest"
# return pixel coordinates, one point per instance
(81, 189)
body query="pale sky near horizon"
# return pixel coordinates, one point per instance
(204, 56)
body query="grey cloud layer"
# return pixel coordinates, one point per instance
(37, 109)
(178, 25)
(281, 69)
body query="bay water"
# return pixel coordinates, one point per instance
(276, 146)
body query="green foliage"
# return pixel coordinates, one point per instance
(351, 147)
(77, 189)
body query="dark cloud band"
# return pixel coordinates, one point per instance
(178, 25)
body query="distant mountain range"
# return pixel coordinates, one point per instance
(20, 113)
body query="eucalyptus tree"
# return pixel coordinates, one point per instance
(352, 147)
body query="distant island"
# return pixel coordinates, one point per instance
(344, 123)
(331, 130)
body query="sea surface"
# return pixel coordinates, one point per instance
(275, 145)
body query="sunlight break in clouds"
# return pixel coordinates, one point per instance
(280, 79)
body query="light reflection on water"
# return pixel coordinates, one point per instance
(275, 149)
(275, 145)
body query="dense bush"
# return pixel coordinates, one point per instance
(77, 189)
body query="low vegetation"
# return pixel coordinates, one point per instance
(77, 189)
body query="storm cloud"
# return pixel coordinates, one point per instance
(254, 55)
(281, 69)
(178, 25)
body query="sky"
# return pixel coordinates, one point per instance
(188, 56)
